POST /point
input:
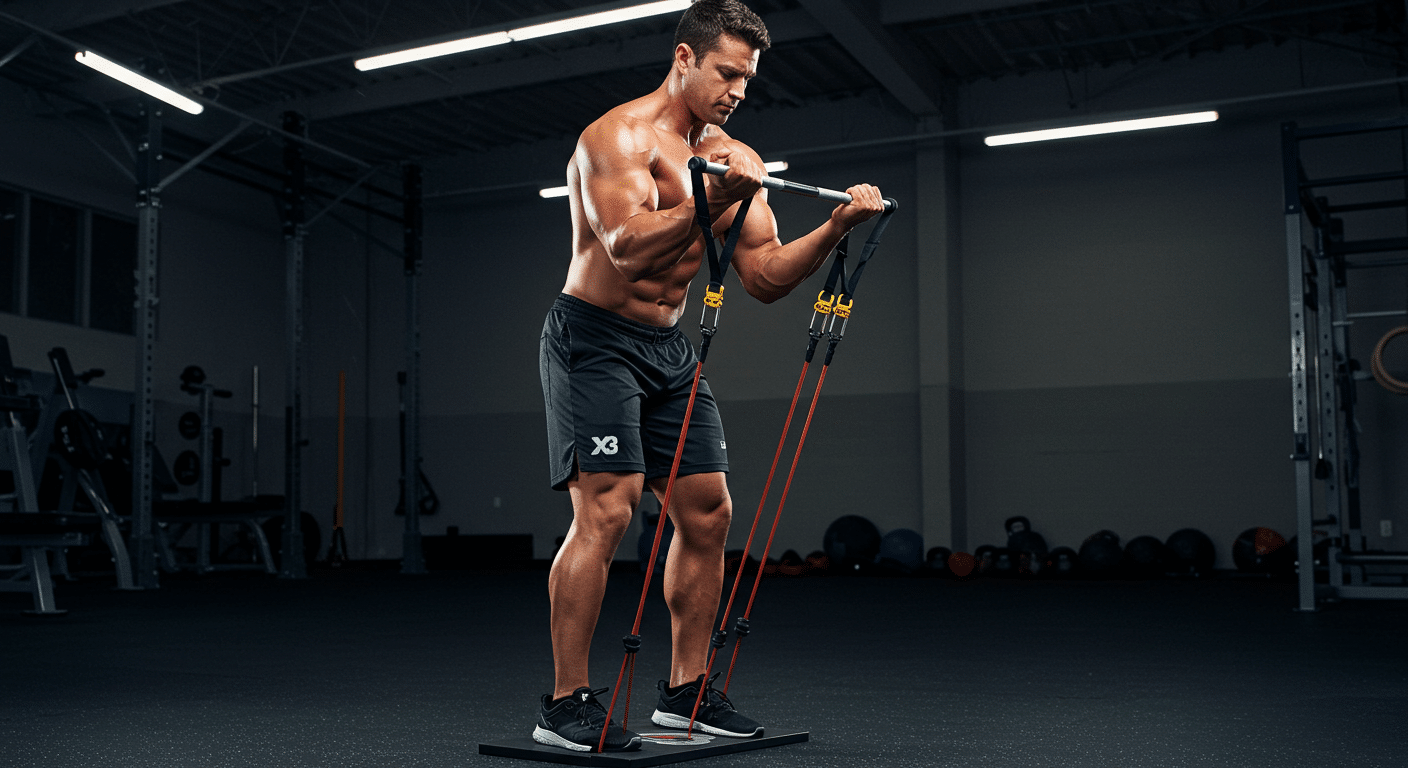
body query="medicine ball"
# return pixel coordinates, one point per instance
(961, 564)
(308, 525)
(1061, 563)
(1190, 552)
(1256, 549)
(1100, 554)
(902, 550)
(851, 540)
(791, 564)
(1144, 557)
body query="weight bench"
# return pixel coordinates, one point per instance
(189, 513)
(36, 533)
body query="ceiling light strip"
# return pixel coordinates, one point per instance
(1096, 129)
(557, 27)
(140, 82)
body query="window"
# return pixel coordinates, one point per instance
(55, 232)
(112, 260)
(67, 263)
(10, 211)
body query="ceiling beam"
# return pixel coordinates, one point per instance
(532, 70)
(73, 14)
(889, 59)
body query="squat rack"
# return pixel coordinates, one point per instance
(1323, 373)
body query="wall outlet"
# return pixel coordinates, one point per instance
(1385, 528)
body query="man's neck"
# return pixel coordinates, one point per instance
(675, 116)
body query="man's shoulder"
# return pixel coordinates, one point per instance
(622, 127)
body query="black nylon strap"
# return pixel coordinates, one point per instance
(848, 287)
(718, 262)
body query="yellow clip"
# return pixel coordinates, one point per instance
(823, 306)
(843, 311)
(714, 298)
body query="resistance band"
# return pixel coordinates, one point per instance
(830, 304)
(708, 323)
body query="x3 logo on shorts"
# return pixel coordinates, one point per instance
(606, 445)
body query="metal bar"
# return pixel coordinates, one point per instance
(343, 196)
(1371, 593)
(1300, 424)
(1360, 178)
(200, 158)
(782, 185)
(1376, 264)
(371, 239)
(412, 556)
(1370, 558)
(291, 565)
(1347, 129)
(124, 168)
(1386, 313)
(17, 50)
(1370, 246)
(144, 324)
(1374, 206)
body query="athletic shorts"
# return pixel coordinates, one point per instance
(616, 392)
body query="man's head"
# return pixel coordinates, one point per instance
(706, 20)
(717, 45)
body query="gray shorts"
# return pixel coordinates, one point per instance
(616, 392)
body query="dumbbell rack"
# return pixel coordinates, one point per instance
(1323, 376)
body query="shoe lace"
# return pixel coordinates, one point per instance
(715, 698)
(590, 712)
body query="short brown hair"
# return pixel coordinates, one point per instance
(706, 20)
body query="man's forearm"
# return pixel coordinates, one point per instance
(783, 268)
(650, 243)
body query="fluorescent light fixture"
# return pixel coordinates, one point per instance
(431, 51)
(598, 19)
(1096, 129)
(776, 166)
(586, 21)
(138, 81)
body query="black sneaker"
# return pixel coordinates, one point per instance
(574, 722)
(716, 713)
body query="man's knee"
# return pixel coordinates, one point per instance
(703, 509)
(604, 503)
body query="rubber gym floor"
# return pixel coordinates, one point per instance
(363, 667)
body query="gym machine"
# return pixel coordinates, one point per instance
(1323, 374)
(39, 536)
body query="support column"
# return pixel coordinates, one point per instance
(143, 542)
(294, 217)
(412, 557)
(940, 338)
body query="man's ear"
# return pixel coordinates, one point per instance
(684, 56)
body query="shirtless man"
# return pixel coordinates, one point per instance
(616, 370)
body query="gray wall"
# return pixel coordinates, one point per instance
(1109, 318)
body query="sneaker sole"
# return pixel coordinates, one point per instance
(551, 739)
(667, 720)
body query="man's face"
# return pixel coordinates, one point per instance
(714, 85)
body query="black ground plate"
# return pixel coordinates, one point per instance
(650, 752)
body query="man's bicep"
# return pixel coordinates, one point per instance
(759, 234)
